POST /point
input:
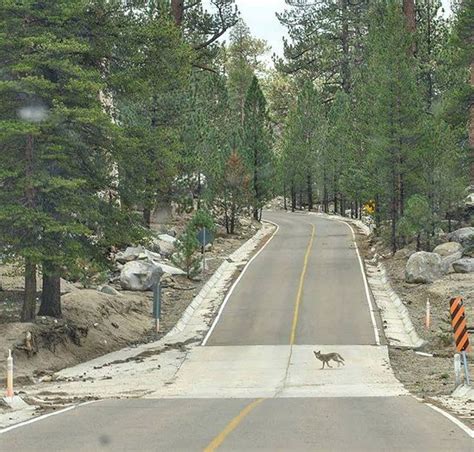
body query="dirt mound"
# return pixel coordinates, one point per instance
(93, 324)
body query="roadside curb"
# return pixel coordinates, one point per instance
(193, 323)
(399, 329)
(222, 276)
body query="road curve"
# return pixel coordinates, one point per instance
(333, 309)
(253, 387)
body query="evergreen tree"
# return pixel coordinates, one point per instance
(149, 82)
(325, 41)
(256, 147)
(56, 144)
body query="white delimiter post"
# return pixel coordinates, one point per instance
(457, 369)
(10, 375)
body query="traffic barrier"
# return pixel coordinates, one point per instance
(461, 336)
(458, 321)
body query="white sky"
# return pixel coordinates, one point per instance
(259, 15)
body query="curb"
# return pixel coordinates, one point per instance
(399, 329)
(229, 267)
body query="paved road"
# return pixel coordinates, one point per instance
(333, 308)
(256, 384)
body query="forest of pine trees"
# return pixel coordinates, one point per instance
(109, 108)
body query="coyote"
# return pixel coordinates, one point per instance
(328, 357)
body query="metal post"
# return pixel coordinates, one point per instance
(10, 392)
(204, 252)
(457, 369)
(157, 307)
(467, 381)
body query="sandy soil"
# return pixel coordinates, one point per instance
(422, 375)
(94, 323)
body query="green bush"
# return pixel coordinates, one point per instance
(202, 219)
(186, 256)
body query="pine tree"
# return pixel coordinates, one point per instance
(325, 41)
(149, 80)
(391, 98)
(256, 147)
(55, 141)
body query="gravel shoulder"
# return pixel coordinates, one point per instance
(431, 378)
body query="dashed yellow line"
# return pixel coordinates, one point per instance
(234, 423)
(231, 426)
(300, 288)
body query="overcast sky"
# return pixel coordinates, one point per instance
(259, 15)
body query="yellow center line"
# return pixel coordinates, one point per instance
(231, 426)
(234, 423)
(300, 288)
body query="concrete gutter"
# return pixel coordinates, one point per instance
(399, 329)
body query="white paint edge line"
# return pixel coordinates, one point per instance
(460, 424)
(366, 285)
(227, 297)
(45, 416)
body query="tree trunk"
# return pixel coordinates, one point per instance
(310, 193)
(409, 12)
(177, 11)
(345, 70)
(293, 197)
(232, 217)
(147, 217)
(28, 313)
(301, 199)
(51, 295)
(410, 16)
(471, 130)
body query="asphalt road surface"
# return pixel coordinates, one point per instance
(256, 385)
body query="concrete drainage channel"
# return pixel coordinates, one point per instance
(399, 329)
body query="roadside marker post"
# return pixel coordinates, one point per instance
(457, 369)
(461, 336)
(10, 392)
(204, 237)
(157, 306)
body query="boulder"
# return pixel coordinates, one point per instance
(170, 270)
(469, 201)
(404, 253)
(154, 245)
(139, 276)
(152, 257)
(462, 236)
(448, 261)
(166, 248)
(423, 267)
(66, 287)
(465, 265)
(167, 238)
(110, 291)
(132, 253)
(449, 248)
